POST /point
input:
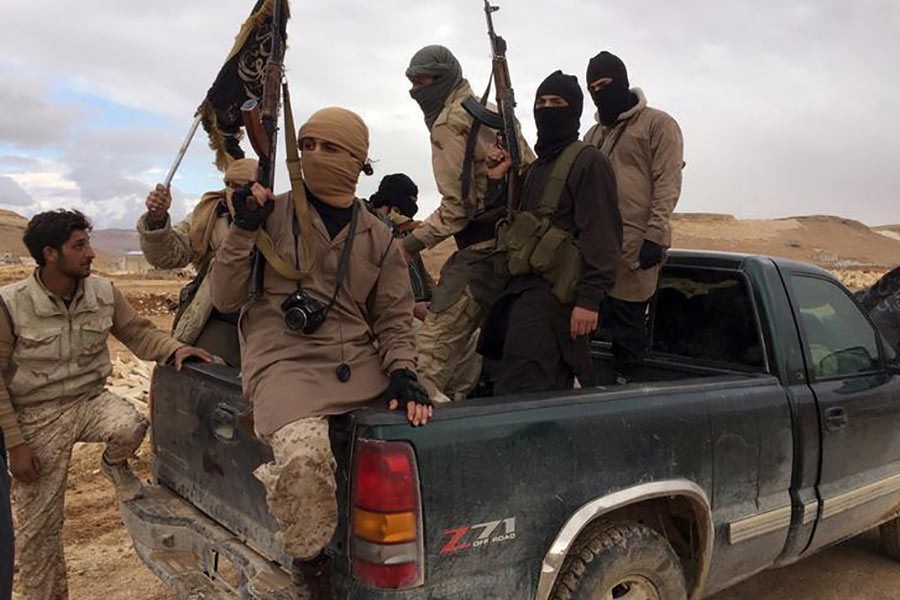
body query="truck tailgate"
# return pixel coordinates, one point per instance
(205, 455)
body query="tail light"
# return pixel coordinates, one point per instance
(387, 543)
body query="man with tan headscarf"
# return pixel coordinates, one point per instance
(194, 241)
(472, 202)
(336, 338)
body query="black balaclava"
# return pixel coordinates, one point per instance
(616, 97)
(398, 191)
(558, 127)
(438, 62)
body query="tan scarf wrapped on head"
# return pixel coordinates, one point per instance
(203, 219)
(332, 178)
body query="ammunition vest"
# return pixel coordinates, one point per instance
(535, 246)
(59, 352)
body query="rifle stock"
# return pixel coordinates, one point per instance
(259, 140)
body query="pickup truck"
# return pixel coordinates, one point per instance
(764, 428)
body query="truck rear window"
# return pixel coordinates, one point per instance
(706, 315)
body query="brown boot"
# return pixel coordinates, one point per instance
(128, 486)
(313, 576)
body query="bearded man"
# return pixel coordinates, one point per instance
(54, 358)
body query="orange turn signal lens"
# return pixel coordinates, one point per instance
(384, 528)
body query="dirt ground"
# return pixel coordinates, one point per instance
(103, 565)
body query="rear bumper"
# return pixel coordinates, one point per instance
(200, 559)
(196, 557)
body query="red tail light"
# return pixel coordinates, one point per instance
(387, 542)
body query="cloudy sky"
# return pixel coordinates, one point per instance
(787, 106)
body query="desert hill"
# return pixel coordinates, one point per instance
(830, 242)
(891, 231)
(12, 226)
(115, 242)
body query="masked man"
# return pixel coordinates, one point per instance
(645, 148)
(194, 241)
(469, 211)
(339, 337)
(562, 270)
(54, 329)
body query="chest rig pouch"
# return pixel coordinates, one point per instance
(534, 245)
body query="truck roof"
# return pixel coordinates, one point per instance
(737, 261)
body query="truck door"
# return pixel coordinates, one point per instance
(858, 402)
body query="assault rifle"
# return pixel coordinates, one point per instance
(260, 118)
(504, 121)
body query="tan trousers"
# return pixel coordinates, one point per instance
(446, 344)
(300, 486)
(51, 430)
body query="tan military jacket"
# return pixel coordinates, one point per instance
(646, 151)
(171, 248)
(290, 375)
(57, 352)
(449, 135)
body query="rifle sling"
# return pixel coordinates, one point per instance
(301, 207)
(469, 159)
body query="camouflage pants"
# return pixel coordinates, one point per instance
(446, 345)
(300, 486)
(51, 430)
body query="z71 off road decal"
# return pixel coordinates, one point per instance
(478, 536)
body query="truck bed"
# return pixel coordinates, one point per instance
(206, 453)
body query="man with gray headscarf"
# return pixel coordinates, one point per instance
(473, 199)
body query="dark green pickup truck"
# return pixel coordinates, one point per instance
(767, 427)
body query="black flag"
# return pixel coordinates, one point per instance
(241, 78)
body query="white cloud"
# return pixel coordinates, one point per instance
(786, 106)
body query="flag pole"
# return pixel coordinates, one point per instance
(182, 150)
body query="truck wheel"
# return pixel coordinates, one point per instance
(621, 561)
(890, 538)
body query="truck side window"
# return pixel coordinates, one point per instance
(840, 341)
(706, 315)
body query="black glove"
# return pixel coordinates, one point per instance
(405, 388)
(251, 220)
(651, 255)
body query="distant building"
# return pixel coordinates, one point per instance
(134, 262)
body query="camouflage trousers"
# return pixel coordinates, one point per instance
(300, 486)
(446, 347)
(51, 430)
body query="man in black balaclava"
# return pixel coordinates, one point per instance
(395, 204)
(396, 192)
(554, 297)
(470, 207)
(646, 150)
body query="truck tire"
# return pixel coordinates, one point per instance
(890, 538)
(621, 561)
